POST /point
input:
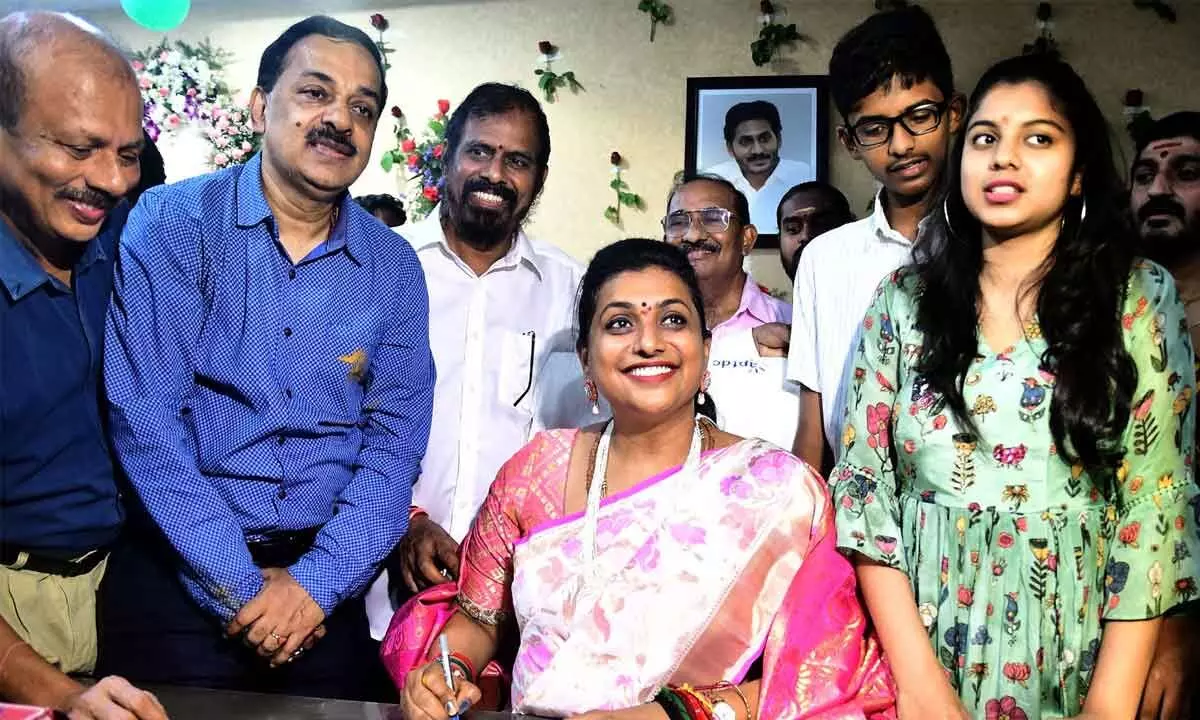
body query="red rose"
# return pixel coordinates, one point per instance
(438, 150)
(965, 596)
(443, 106)
(397, 112)
(1134, 98)
(1017, 672)
(546, 47)
(1129, 533)
(430, 193)
(407, 145)
(1022, 524)
(413, 161)
(1005, 540)
(939, 422)
(379, 22)
(614, 158)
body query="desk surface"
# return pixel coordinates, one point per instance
(202, 704)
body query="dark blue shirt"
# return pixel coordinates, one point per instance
(57, 493)
(250, 393)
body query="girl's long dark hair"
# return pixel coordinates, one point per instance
(1080, 287)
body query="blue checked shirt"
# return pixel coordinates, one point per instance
(250, 394)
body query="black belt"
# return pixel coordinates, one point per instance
(281, 548)
(52, 565)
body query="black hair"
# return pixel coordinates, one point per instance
(838, 204)
(274, 58)
(747, 111)
(741, 206)
(20, 34)
(633, 255)
(154, 172)
(1180, 124)
(383, 201)
(491, 99)
(1080, 287)
(903, 44)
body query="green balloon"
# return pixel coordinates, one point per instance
(159, 15)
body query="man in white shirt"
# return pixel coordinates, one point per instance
(501, 327)
(753, 136)
(899, 124)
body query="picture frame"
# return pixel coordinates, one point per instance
(801, 137)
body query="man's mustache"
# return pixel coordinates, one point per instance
(1160, 206)
(90, 196)
(705, 245)
(759, 156)
(482, 185)
(338, 141)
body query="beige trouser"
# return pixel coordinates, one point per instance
(56, 615)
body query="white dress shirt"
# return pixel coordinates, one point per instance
(835, 283)
(765, 201)
(504, 346)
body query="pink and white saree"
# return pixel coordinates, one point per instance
(697, 574)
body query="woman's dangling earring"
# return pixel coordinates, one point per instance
(593, 396)
(704, 381)
(1082, 210)
(946, 214)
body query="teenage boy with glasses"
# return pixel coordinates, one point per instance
(892, 82)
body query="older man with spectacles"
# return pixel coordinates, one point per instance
(710, 219)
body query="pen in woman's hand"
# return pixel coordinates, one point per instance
(450, 708)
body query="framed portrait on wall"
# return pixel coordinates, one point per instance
(764, 134)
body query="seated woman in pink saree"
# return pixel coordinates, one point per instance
(710, 589)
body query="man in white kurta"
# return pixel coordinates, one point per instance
(501, 328)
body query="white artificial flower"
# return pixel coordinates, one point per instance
(928, 613)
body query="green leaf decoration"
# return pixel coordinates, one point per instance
(771, 39)
(612, 214)
(387, 161)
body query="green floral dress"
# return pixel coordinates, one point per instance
(1015, 557)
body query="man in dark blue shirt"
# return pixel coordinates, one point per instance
(70, 136)
(268, 367)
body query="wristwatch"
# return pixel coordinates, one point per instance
(722, 710)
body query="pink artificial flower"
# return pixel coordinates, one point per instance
(192, 92)
(174, 121)
(238, 153)
(145, 82)
(164, 92)
(137, 66)
(246, 146)
(221, 159)
(162, 56)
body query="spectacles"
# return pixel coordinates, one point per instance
(712, 219)
(919, 120)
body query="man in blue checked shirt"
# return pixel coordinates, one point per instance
(268, 366)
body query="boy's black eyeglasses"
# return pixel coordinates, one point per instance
(917, 120)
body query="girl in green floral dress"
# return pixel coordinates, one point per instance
(1017, 457)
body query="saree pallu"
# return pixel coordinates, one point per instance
(697, 575)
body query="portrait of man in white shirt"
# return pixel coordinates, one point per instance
(753, 133)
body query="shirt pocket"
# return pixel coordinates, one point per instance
(518, 362)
